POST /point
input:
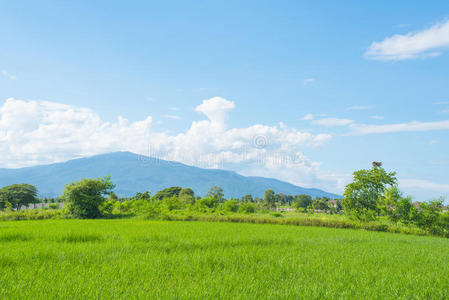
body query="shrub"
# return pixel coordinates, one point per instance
(247, 208)
(53, 206)
(207, 202)
(84, 197)
(231, 205)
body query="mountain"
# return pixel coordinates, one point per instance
(135, 173)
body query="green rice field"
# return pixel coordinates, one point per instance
(138, 259)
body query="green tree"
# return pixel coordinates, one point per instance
(17, 195)
(232, 205)
(363, 195)
(207, 202)
(145, 196)
(387, 204)
(302, 202)
(320, 204)
(112, 197)
(187, 196)
(247, 208)
(428, 214)
(172, 203)
(84, 198)
(269, 199)
(247, 198)
(216, 192)
(167, 193)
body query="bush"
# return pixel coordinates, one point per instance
(231, 205)
(85, 197)
(247, 208)
(276, 214)
(53, 206)
(207, 202)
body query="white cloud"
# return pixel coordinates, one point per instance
(308, 117)
(333, 122)
(360, 107)
(424, 184)
(216, 109)
(419, 44)
(362, 129)
(375, 117)
(445, 111)
(308, 81)
(8, 75)
(34, 132)
(173, 117)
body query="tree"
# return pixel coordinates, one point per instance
(172, 203)
(428, 214)
(17, 195)
(248, 198)
(113, 197)
(232, 205)
(167, 193)
(84, 198)
(247, 208)
(321, 204)
(207, 202)
(216, 192)
(145, 196)
(186, 192)
(387, 204)
(187, 196)
(269, 199)
(302, 201)
(363, 195)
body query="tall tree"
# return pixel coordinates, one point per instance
(216, 192)
(248, 198)
(269, 199)
(17, 195)
(363, 195)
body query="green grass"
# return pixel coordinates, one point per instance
(129, 259)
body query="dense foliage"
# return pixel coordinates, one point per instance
(84, 198)
(372, 201)
(17, 195)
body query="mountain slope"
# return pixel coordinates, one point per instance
(135, 173)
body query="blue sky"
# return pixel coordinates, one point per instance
(326, 70)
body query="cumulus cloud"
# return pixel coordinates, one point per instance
(424, 43)
(333, 122)
(33, 132)
(216, 109)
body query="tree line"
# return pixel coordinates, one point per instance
(373, 194)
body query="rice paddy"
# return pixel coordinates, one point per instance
(137, 259)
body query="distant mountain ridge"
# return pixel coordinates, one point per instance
(136, 173)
